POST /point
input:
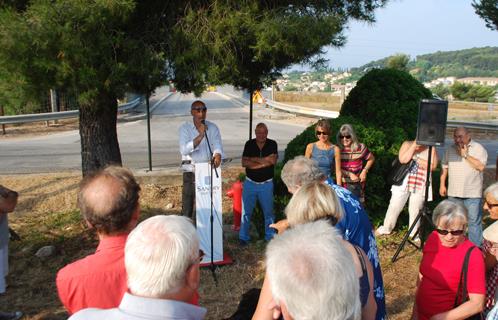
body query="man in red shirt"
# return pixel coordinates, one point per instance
(108, 201)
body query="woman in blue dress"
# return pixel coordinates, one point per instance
(326, 154)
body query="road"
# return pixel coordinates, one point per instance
(61, 151)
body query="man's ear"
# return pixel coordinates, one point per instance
(134, 216)
(192, 277)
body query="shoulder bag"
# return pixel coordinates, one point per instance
(398, 172)
(462, 286)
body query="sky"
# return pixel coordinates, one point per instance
(413, 27)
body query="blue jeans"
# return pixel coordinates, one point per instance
(251, 193)
(474, 210)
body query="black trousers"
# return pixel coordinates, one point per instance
(188, 195)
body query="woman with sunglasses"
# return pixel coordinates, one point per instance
(441, 265)
(490, 248)
(327, 155)
(356, 161)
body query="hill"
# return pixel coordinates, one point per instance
(475, 62)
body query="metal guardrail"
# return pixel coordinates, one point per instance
(334, 114)
(25, 118)
(320, 113)
(472, 125)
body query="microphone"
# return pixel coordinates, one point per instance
(204, 123)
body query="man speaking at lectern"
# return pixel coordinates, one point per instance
(194, 148)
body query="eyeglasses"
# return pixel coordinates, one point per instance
(345, 137)
(201, 255)
(201, 109)
(490, 205)
(453, 232)
(319, 133)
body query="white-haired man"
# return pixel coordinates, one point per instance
(162, 262)
(355, 226)
(311, 276)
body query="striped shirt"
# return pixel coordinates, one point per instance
(352, 160)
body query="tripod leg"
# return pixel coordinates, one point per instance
(407, 235)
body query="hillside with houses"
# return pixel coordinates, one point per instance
(470, 74)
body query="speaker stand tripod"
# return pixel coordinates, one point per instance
(424, 212)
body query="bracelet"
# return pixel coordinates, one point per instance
(366, 170)
(465, 155)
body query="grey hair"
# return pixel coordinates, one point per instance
(158, 253)
(347, 129)
(310, 272)
(493, 190)
(313, 201)
(300, 171)
(451, 210)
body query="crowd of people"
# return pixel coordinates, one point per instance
(322, 260)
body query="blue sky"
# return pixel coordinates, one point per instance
(413, 27)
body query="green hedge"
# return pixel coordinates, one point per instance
(383, 109)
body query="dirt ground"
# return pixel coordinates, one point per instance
(47, 215)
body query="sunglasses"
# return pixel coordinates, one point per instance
(453, 232)
(320, 133)
(345, 137)
(202, 109)
(491, 205)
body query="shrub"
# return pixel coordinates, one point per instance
(386, 99)
(383, 110)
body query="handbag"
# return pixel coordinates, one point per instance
(462, 286)
(398, 172)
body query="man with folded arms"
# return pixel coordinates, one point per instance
(259, 158)
(162, 259)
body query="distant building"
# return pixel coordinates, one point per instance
(483, 81)
(447, 81)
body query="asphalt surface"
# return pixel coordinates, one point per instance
(61, 151)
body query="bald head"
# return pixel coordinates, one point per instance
(108, 199)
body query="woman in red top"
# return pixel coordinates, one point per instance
(442, 261)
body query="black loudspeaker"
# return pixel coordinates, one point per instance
(431, 125)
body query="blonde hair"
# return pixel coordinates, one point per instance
(312, 202)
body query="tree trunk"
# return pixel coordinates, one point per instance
(99, 139)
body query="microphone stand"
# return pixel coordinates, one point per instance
(211, 217)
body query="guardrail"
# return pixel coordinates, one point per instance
(334, 114)
(303, 110)
(25, 118)
(472, 125)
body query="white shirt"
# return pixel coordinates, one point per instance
(464, 181)
(187, 133)
(140, 308)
